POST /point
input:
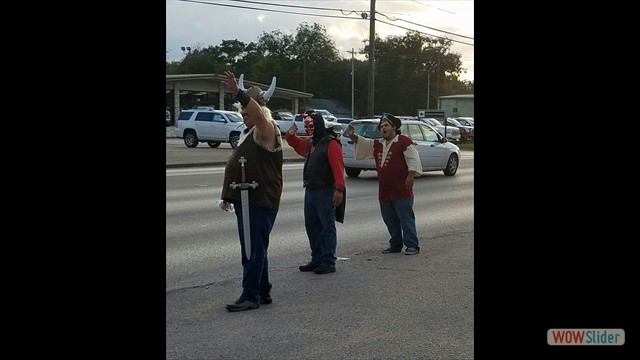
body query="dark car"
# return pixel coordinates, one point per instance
(466, 132)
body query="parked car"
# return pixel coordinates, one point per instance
(344, 122)
(436, 152)
(284, 119)
(299, 121)
(168, 116)
(325, 114)
(453, 133)
(466, 121)
(208, 125)
(466, 132)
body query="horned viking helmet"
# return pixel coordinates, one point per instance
(262, 97)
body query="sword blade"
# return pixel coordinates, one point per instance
(246, 227)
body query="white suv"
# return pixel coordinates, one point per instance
(210, 126)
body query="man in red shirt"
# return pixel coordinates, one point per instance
(323, 180)
(397, 163)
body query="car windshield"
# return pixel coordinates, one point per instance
(367, 129)
(235, 117)
(454, 122)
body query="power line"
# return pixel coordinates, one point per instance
(273, 10)
(402, 27)
(348, 12)
(428, 27)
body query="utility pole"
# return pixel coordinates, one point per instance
(352, 76)
(372, 49)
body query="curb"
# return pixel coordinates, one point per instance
(219, 163)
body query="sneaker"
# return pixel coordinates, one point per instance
(412, 251)
(324, 269)
(390, 250)
(265, 298)
(242, 305)
(309, 267)
(239, 301)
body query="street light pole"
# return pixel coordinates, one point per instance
(353, 74)
(372, 52)
(428, 85)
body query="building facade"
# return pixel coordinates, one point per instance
(457, 105)
(186, 91)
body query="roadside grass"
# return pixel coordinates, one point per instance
(465, 145)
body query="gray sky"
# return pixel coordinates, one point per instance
(201, 24)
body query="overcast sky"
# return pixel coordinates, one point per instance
(200, 23)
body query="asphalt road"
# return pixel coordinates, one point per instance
(377, 306)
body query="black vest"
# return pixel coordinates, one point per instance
(317, 171)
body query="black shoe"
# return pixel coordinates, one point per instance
(412, 251)
(242, 305)
(265, 298)
(309, 267)
(324, 269)
(390, 250)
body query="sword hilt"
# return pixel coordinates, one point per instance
(243, 177)
(243, 186)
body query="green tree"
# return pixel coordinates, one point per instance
(314, 51)
(408, 68)
(405, 66)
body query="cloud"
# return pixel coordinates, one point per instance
(202, 25)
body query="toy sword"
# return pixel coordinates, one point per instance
(244, 199)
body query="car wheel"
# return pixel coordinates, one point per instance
(190, 139)
(233, 139)
(452, 165)
(351, 172)
(213, 144)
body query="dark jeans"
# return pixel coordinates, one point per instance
(255, 274)
(320, 223)
(401, 222)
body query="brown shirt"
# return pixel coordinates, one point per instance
(263, 165)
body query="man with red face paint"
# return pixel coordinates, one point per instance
(323, 180)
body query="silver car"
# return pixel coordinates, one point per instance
(436, 152)
(284, 119)
(453, 133)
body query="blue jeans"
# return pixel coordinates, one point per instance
(255, 272)
(401, 223)
(320, 223)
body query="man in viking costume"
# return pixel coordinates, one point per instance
(257, 159)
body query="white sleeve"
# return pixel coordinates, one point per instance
(412, 158)
(364, 148)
